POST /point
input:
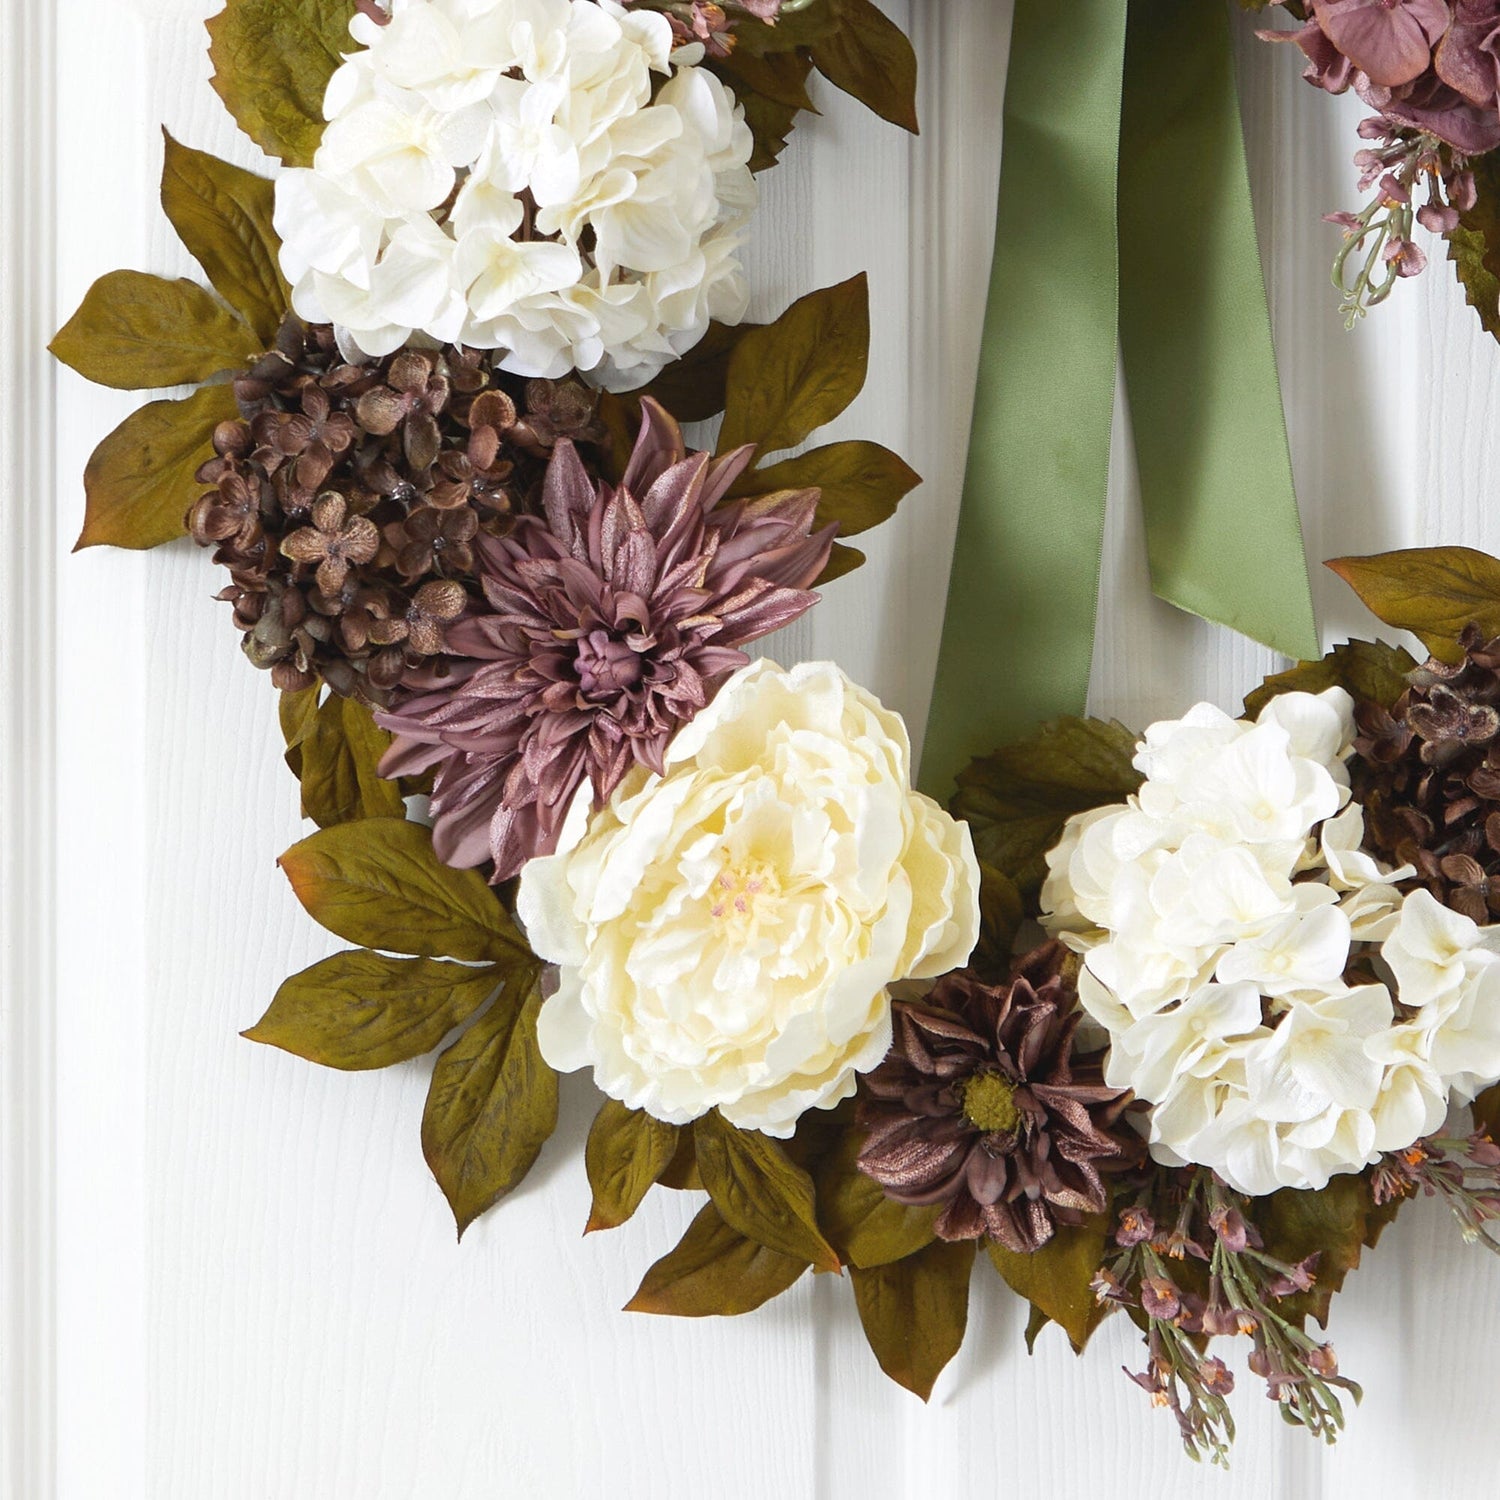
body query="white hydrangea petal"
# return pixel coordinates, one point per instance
(549, 98)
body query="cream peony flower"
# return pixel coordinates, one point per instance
(602, 185)
(1218, 912)
(725, 934)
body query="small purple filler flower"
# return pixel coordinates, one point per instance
(609, 624)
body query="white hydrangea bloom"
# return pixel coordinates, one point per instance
(546, 178)
(1218, 911)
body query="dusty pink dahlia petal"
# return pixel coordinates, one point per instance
(612, 619)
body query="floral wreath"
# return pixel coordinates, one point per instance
(567, 823)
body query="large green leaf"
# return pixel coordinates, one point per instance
(1001, 912)
(1431, 591)
(272, 62)
(1474, 246)
(1365, 669)
(869, 57)
(914, 1311)
(760, 1191)
(1336, 1224)
(714, 1272)
(492, 1103)
(361, 1010)
(338, 747)
(222, 213)
(138, 332)
(1017, 800)
(1057, 1277)
(376, 882)
(140, 480)
(810, 23)
(627, 1152)
(793, 375)
(865, 1226)
(861, 483)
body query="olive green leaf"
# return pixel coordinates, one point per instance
(841, 560)
(222, 213)
(1017, 800)
(692, 388)
(760, 1191)
(681, 1173)
(714, 1271)
(1001, 912)
(1334, 1223)
(1365, 669)
(297, 712)
(793, 29)
(861, 483)
(914, 1311)
(138, 332)
(866, 1228)
(1056, 1278)
(1474, 246)
(140, 480)
(801, 371)
(377, 882)
(338, 751)
(1487, 1112)
(869, 57)
(627, 1151)
(361, 1010)
(1431, 591)
(272, 62)
(492, 1103)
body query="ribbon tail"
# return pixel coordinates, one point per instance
(1223, 533)
(1018, 633)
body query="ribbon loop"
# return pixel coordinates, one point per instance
(1124, 216)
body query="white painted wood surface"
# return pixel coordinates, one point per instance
(228, 1274)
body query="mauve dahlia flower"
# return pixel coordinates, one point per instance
(983, 1106)
(609, 624)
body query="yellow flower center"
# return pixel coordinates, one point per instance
(742, 894)
(990, 1104)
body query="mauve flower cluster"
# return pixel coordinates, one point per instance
(1424, 65)
(609, 622)
(1431, 71)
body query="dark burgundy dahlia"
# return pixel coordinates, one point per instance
(984, 1107)
(607, 623)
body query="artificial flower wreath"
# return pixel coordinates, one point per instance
(436, 445)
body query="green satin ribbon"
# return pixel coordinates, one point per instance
(1123, 219)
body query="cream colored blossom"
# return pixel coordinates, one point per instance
(633, 162)
(1219, 910)
(726, 933)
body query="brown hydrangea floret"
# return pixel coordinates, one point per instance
(1428, 774)
(984, 1107)
(347, 499)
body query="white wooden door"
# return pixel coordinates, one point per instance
(228, 1274)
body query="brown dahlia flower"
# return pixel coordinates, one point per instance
(1428, 774)
(606, 625)
(346, 499)
(982, 1106)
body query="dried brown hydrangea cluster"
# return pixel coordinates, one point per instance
(1428, 774)
(346, 499)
